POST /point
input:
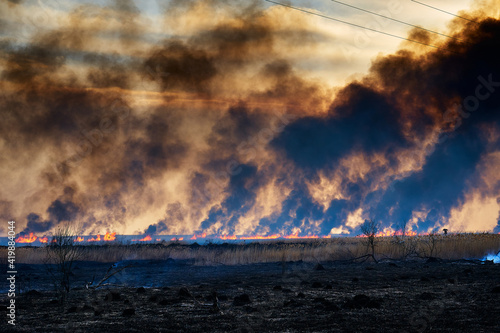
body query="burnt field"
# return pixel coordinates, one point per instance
(412, 284)
(291, 286)
(177, 296)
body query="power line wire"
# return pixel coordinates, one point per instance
(357, 25)
(444, 11)
(395, 20)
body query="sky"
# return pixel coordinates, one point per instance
(249, 117)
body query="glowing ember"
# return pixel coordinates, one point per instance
(26, 239)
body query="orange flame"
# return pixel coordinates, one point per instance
(145, 239)
(225, 237)
(387, 232)
(296, 236)
(110, 237)
(275, 236)
(97, 239)
(203, 235)
(26, 239)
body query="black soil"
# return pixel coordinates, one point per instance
(172, 296)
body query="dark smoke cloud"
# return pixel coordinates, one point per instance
(298, 211)
(404, 99)
(35, 224)
(63, 211)
(240, 198)
(184, 68)
(59, 211)
(366, 122)
(497, 228)
(175, 214)
(183, 135)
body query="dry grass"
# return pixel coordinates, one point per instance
(455, 246)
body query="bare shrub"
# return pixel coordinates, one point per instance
(61, 255)
(370, 229)
(430, 245)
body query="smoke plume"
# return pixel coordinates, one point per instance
(110, 122)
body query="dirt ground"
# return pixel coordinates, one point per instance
(170, 296)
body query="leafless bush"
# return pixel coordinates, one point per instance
(430, 245)
(61, 255)
(370, 228)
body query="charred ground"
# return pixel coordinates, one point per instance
(177, 295)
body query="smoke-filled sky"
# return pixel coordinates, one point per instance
(247, 117)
